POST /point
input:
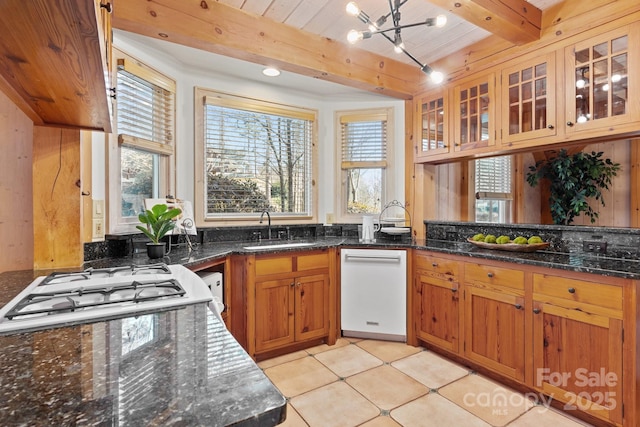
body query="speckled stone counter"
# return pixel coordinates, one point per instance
(173, 368)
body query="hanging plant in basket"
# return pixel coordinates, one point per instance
(574, 180)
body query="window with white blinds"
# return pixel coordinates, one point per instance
(145, 126)
(145, 114)
(257, 156)
(364, 155)
(493, 179)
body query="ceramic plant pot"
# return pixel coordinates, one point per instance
(155, 250)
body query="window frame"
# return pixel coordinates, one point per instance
(508, 197)
(387, 173)
(166, 154)
(201, 96)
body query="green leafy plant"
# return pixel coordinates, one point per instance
(574, 179)
(159, 221)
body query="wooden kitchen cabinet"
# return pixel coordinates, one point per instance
(578, 344)
(494, 318)
(475, 116)
(436, 301)
(602, 88)
(292, 301)
(528, 101)
(432, 119)
(54, 62)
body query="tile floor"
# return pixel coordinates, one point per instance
(373, 383)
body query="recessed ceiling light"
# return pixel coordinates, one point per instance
(271, 72)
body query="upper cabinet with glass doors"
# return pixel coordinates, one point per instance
(529, 100)
(474, 114)
(432, 124)
(601, 92)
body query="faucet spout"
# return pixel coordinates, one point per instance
(269, 222)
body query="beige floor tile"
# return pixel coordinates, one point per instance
(381, 421)
(340, 342)
(282, 359)
(388, 351)
(430, 369)
(487, 399)
(299, 376)
(348, 360)
(434, 410)
(293, 419)
(543, 416)
(387, 387)
(334, 405)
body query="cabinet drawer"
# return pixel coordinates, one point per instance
(491, 275)
(440, 268)
(312, 261)
(274, 265)
(596, 294)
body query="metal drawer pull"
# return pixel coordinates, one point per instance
(373, 258)
(572, 290)
(536, 310)
(489, 275)
(435, 264)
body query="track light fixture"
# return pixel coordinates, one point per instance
(396, 39)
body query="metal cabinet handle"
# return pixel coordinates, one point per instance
(107, 6)
(569, 123)
(434, 264)
(518, 306)
(292, 284)
(536, 310)
(572, 290)
(489, 275)
(454, 289)
(550, 127)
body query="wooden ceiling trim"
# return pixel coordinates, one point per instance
(515, 21)
(221, 29)
(560, 22)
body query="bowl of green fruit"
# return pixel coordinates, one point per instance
(505, 243)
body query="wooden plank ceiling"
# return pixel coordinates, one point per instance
(309, 37)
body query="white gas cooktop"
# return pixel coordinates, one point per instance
(63, 299)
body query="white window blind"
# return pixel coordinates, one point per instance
(493, 178)
(145, 113)
(257, 158)
(364, 141)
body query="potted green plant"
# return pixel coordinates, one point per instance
(574, 179)
(159, 221)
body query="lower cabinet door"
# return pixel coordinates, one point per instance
(312, 307)
(578, 359)
(437, 312)
(274, 313)
(494, 330)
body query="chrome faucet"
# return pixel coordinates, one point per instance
(269, 222)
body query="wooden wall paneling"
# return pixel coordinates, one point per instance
(410, 168)
(634, 183)
(16, 212)
(57, 230)
(86, 184)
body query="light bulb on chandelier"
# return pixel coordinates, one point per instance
(398, 45)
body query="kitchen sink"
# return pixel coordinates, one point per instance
(267, 246)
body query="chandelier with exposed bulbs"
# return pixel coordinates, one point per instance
(396, 38)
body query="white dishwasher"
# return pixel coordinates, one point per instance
(373, 285)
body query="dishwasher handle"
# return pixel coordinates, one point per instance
(373, 258)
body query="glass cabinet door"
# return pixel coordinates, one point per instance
(599, 82)
(474, 114)
(432, 124)
(529, 91)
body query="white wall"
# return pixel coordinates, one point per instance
(187, 78)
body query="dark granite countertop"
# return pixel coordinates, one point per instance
(195, 372)
(179, 367)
